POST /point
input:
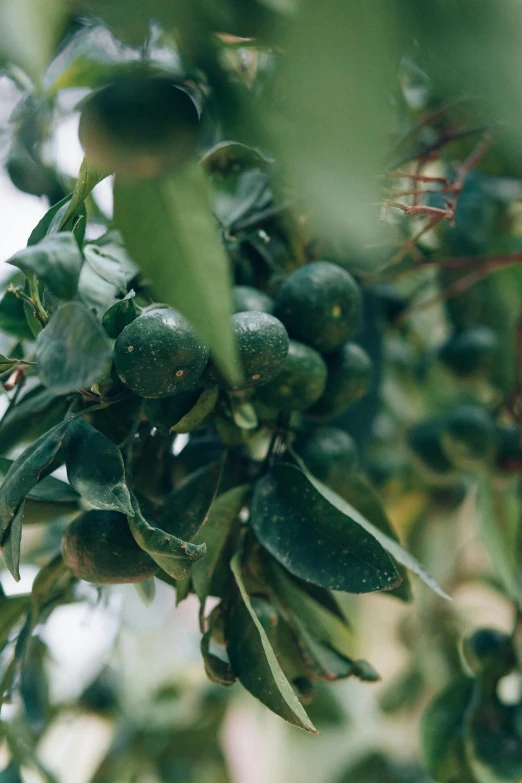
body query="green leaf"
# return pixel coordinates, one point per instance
(187, 508)
(29, 32)
(493, 737)
(229, 157)
(95, 468)
(37, 461)
(197, 415)
(88, 177)
(170, 232)
(11, 543)
(34, 414)
(389, 544)
(12, 317)
(442, 733)
(253, 659)
(56, 261)
(498, 508)
(110, 264)
(361, 495)
(41, 229)
(217, 670)
(52, 221)
(73, 350)
(146, 590)
(12, 609)
(7, 364)
(120, 315)
(214, 533)
(243, 414)
(174, 556)
(313, 539)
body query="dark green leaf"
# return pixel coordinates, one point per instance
(361, 495)
(12, 317)
(253, 659)
(388, 543)
(146, 590)
(217, 670)
(442, 733)
(107, 263)
(214, 533)
(120, 315)
(229, 157)
(187, 508)
(95, 292)
(73, 350)
(493, 737)
(56, 261)
(12, 609)
(182, 587)
(95, 468)
(42, 227)
(314, 540)
(37, 411)
(170, 232)
(174, 556)
(37, 461)
(51, 582)
(11, 543)
(197, 415)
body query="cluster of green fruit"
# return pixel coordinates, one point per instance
(296, 358)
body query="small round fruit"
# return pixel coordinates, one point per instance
(471, 351)
(159, 354)
(320, 304)
(139, 126)
(487, 648)
(98, 547)
(350, 373)
(469, 434)
(262, 345)
(424, 440)
(248, 298)
(330, 454)
(390, 302)
(509, 451)
(300, 383)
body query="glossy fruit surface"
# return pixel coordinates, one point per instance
(469, 433)
(301, 381)
(159, 354)
(350, 372)
(139, 126)
(320, 304)
(330, 454)
(98, 547)
(247, 298)
(424, 440)
(262, 344)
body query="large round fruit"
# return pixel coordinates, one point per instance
(139, 126)
(247, 298)
(471, 351)
(349, 376)
(320, 304)
(300, 383)
(98, 547)
(330, 454)
(469, 434)
(262, 345)
(159, 354)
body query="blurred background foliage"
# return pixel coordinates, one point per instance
(384, 136)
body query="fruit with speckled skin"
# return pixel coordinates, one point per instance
(247, 298)
(98, 547)
(300, 383)
(139, 126)
(349, 375)
(330, 454)
(159, 354)
(320, 304)
(262, 345)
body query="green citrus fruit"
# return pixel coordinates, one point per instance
(98, 547)
(248, 298)
(424, 440)
(159, 354)
(330, 454)
(471, 351)
(262, 345)
(350, 372)
(300, 383)
(509, 451)
(468, 434)
(487, 648)
(139, 126)
(320, 304)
